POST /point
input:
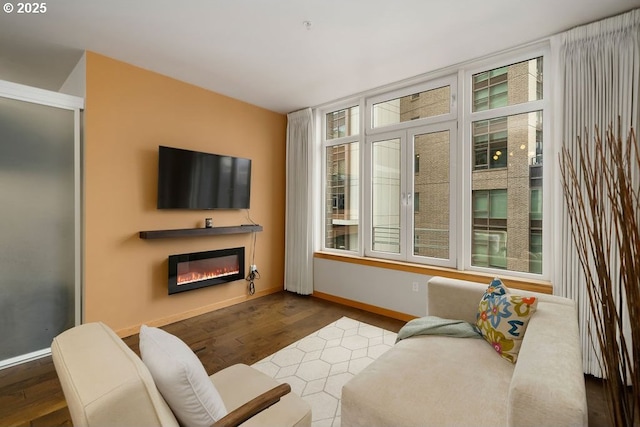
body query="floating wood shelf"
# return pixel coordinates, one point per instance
(196, 232)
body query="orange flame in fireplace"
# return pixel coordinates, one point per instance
(192, 276)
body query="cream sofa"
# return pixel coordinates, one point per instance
(106, 384)
(444, 381)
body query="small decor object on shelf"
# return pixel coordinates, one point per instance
(208, 222)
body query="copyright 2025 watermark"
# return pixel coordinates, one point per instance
(25, 8)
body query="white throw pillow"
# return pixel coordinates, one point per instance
(181, 378)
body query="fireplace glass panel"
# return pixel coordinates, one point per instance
(202, 269)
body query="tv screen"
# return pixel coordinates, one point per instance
(195, 180)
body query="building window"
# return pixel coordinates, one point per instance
(535, 251)
(342, 123)
(539, 85)
(490, 89)
(490, 144)
(489, 241)
(507, 86)
(535, 227)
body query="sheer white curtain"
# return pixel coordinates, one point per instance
(596, 82)
(298, 262)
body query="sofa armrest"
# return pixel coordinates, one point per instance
(454, 298)
(253, 407)
(548, 387)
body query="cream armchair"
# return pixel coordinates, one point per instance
(106, 384)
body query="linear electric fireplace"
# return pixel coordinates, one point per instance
(201, 269)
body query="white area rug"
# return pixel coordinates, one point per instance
(319, 364)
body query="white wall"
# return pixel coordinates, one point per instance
(76, 83)
(380, 287)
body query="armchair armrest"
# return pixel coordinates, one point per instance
(253, 407)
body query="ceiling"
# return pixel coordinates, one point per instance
(281, 55)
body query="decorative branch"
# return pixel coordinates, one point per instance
(602, 192)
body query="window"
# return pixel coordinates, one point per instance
(342, 179)
(508, 86)
(391, 173)
(342, 123)
(410, 140)
(412, 204)
(430, 103)
(342, 189)
(507, 174)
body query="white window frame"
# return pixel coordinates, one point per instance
(544, 105)
(367, 219)
(405, 131)
(450, 80)
(452, 127)
(460, 80)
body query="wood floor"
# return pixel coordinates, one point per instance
(30, 394)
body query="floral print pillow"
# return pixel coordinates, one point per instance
(503, 318)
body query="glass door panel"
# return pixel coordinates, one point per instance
(37, 254)
(386, 195)
(431, 194)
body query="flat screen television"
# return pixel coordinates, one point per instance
(195, 180)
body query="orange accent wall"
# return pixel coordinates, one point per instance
(129, 112)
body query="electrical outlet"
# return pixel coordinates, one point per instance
(254, 268)
(416, 286)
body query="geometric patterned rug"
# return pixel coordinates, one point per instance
(318, 365)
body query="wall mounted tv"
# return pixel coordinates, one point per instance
(195, 180)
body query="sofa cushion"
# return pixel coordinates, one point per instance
(503, 318)
(430, 380)
(181, 378)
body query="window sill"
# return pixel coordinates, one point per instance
(541, 286)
